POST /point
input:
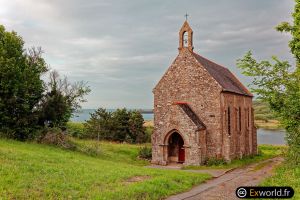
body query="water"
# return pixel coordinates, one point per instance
(264, 136)
(85, 115)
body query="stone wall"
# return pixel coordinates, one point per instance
(242, 139)
(189, 82)
(186, 80)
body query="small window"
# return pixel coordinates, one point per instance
(228, 120)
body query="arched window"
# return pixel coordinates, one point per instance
(185, 39)
(228, 121)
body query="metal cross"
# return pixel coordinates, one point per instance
(186, 16)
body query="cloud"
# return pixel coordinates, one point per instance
(123, 47)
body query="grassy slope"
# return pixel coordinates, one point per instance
(112, 151)
(33, 171)
(285, 175)
(266, 152)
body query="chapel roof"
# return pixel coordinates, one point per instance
(223, 76)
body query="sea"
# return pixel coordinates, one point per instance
(264, 136)
(84, 115)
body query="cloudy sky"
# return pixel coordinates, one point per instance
(122, 47)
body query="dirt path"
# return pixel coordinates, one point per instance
(224, 186)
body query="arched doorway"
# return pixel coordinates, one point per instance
(176, 152)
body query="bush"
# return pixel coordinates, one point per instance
(55, 136)
(76, 129)
(148, 131)
(145, 152)
(215, 162)
(91, 149)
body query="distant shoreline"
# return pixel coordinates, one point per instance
(269, 125)
(143, 111)
(148, 118)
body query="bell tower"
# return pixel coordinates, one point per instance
(186, 37)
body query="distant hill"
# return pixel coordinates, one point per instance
(264, 116)
(262, 111)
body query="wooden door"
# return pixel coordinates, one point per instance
(181, 154)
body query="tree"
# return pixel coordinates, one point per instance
(278, 83)
(121, 130)
(120, 125)
(136, 127)
(100, 125)
(61, 100)
(27, 103)
(21, 86)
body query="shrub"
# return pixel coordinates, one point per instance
(55, 136)
(215, 161)
(91, 149)
(76, 129)
(148, 131)
(145, 152)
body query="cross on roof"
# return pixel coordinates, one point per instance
(186, 16)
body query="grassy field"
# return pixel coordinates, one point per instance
(34, 171)
(265, 152)
(111, 151)
(285, 175)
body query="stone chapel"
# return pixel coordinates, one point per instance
(201, 111)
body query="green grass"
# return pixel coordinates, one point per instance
(112, 151)
(34, 171)
(265, 152)
(285, 175)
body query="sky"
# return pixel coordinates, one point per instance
(121, 48)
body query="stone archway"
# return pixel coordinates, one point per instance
(175, 151)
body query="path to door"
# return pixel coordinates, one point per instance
(224, 186)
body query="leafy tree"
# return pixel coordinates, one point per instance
(136, 127)
(100, 125)
(61, 100)
(120, 125)
(27, 103)
(278, 83)
(21, 86)
(121, 130)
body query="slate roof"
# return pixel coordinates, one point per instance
(223, 76)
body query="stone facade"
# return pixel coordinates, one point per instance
(212, 114)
